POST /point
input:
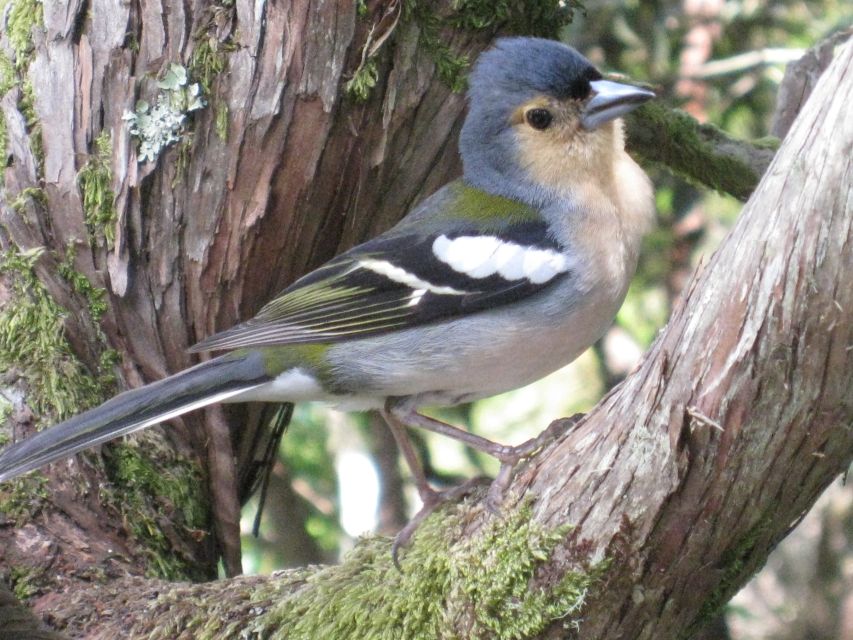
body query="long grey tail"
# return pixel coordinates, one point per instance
(199, 386)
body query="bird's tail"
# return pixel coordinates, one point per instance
(209, 382)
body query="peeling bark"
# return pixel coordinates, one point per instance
(742, 411)
(230, 215)
(675, 488)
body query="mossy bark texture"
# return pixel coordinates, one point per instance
(276, 173)
(639, 523)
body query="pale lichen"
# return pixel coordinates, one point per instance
(156, 127)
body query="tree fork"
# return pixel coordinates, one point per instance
(685, 476)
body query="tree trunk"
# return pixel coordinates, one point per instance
(282, 170)
(692, 470)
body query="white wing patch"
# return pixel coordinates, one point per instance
(398, 274)
(483, 256)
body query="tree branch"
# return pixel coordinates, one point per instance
(700, 153)
(645, 518)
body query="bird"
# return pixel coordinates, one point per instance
(495, 280)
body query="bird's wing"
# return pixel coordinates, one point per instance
(402, 280)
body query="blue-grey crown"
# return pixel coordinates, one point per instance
(520, 67)
(505, 77)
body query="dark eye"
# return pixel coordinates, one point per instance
(539, 118)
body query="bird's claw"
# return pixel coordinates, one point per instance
(432, 500)
(513, 455)
(509, 457)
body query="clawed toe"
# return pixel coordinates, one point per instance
(431, 501)
(509, 457)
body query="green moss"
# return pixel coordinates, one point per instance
(767, 142)
(154, 500)
(96, 297)
(32, 341)
(700, 153)
(363, 80)
(95, 181)
(495, 579)
(23, 17)
(26, 581)
(542, 18)
(209, 58)
(33, 344)
(8, 77)
(27, 106)
(183, 155)
(532, 17)
(22, 497)
(31, 194)
(450, 65)
(222, 122)
(486, 583)
(27, 103)
(6, 409)
(151, 499)
(96, 301)
(3, 141)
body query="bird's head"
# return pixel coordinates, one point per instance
(540, 118)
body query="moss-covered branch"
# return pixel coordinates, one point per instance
(489, 584)
(701, 153)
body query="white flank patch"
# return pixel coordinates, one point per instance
(397, 274)
(289, 386)
(483, 256)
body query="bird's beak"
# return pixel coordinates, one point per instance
(611, 100)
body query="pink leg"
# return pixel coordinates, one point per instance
(398, 416)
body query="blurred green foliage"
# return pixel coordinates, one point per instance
(654, 42)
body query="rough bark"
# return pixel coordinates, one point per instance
(281, 171)
(741, 413)
(658, 501)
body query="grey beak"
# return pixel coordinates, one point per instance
(611, 100)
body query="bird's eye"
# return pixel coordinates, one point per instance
(539, 118)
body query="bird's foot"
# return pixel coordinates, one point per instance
(509, 458)
(432, 500)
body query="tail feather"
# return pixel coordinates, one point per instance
(199, 386)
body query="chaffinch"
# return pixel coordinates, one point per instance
(492, 282)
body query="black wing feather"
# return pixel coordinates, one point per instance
(343, 300)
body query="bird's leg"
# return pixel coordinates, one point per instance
(508, 456)
(427, 494)
(430, 498)
(499, 485)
